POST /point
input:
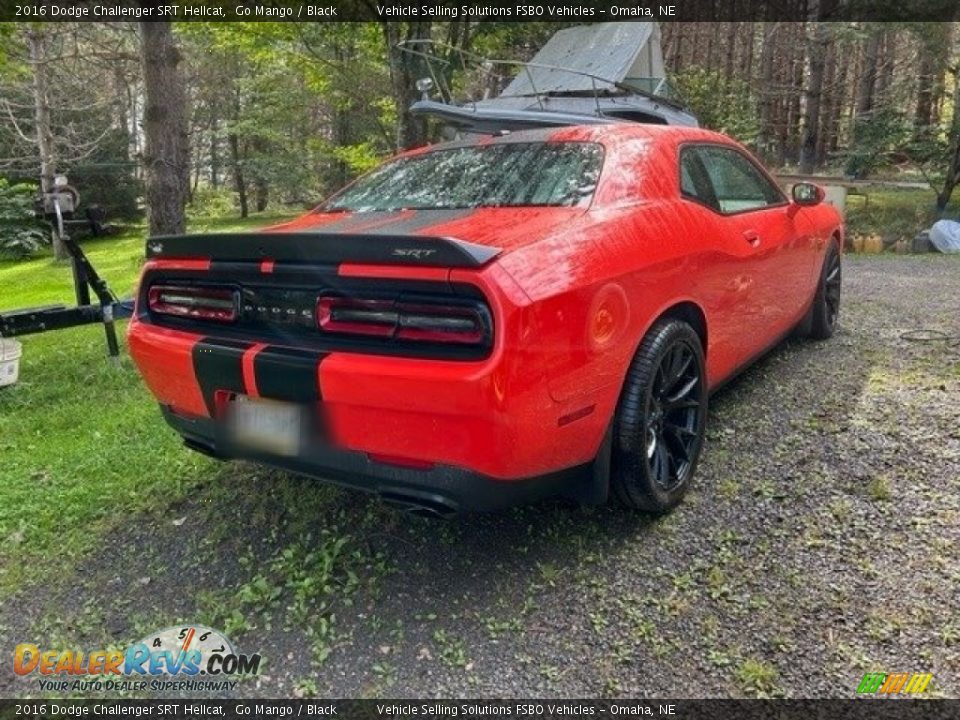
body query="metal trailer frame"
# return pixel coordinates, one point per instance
(28, 321)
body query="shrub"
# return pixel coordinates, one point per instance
(107, 179)
(875, 138)
(21, 234)
(727, 106)
(211, 202)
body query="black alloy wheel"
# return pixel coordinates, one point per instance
(659, 426)
(826, 304)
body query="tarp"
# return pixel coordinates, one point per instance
(616, 51)
(945, 236)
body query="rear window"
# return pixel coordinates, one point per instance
(495, 175)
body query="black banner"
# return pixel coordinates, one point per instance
(865, 709)
(477, 10)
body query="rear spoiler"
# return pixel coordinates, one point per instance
(324, 248)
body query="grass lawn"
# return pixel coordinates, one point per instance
(894, 214)
(81, 440)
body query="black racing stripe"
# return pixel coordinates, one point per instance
(420, 220)
(218, 365)
(355, 221)
(288, 373)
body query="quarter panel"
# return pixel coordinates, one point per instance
(597, 292)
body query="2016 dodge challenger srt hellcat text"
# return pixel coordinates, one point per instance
(492, 320)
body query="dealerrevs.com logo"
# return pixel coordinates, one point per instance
(191, 657)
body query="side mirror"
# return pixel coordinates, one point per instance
(806, 193)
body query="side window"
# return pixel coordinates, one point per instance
(694, 181)
(737, 184)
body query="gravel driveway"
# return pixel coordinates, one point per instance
(819, 543)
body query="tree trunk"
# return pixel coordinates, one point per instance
(828, 110)
(732, 29)
(37, 42)
(839, 104)
(672, 33)
(866, 92)
(746, 67)
(817, 43)
(166, 156)
(261, 185)
(712, 42)
(135, 149)
(934, 54)
(121, 97)
(411, 131)
(923, 111)
(886, 63)
(239, 182)
(214, 153)
(952, 176)
(679, 57)
(261, 194)
(767, 99)
(868, 75)
(794, 115)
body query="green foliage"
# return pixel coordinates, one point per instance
(358, 158)
(296, 110)
(6, 37)
(876, 138)
(927, 149)
(21, 234)
(726, 106)
(210, 202)
(107, 179)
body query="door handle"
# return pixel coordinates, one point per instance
(752, 237)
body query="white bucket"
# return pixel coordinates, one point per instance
(10, 352)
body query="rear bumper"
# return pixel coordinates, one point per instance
(493, 418)
(441, 490)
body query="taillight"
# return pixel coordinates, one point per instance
(194, 302)
(358, 317)
(414, 321)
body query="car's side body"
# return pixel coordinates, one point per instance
(571, 292)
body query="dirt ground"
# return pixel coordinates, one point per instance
(819, 543)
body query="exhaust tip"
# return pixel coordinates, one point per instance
(202, 448)
(430, 506)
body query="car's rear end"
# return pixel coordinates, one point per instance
(373, 345)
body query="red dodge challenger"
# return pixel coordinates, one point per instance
(485, 322)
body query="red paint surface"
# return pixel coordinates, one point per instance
(165, 360)
(188, 264)
(249, 376)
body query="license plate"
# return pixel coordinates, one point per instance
(267, 425)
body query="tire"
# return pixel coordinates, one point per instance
(826, 303)
(660, 418)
